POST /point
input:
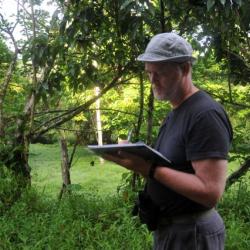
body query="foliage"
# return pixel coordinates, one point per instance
(77, 222)
(95, 43)
(9, 188)
(88, 220)
(121, 111)
(235, 209)
(5, 57)
(211, 77)
(226, 25)
(237, 236)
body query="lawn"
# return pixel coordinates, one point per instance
(102, 176)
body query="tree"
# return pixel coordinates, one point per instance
(95, 43)
(76, 41)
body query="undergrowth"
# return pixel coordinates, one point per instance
(92, 220)
(78, 221)
(87, 220)
(235, 210)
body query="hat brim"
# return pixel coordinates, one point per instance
(148, 57)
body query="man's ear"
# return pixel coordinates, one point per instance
(186, 67)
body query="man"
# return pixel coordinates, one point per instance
(195, 136)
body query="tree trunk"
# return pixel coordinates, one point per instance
(136, 176)
(162, 16)
(141, 108)
(150, 117)
(65, 166)
(19, 162)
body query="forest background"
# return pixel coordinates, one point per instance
(47, 94)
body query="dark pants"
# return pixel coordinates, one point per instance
(205, 233)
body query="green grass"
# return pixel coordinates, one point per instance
(45, 160)
(95, 216)
(103, 179)
(88, 222)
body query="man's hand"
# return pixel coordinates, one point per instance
(130, 161)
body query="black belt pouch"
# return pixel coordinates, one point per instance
(148, 212)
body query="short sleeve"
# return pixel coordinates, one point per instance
(209, 136)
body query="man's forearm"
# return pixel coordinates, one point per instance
(191, 186)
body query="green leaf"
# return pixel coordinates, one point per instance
(210, 4)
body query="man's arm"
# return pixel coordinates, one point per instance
(205, 186)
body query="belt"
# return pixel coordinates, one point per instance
(187, 218)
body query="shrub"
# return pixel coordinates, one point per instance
(9, 188)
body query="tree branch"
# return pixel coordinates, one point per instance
(57, 121)
(102, 109)
(238, 173)
(241, 105)
(184, 21)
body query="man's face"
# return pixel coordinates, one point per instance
(166, 80)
